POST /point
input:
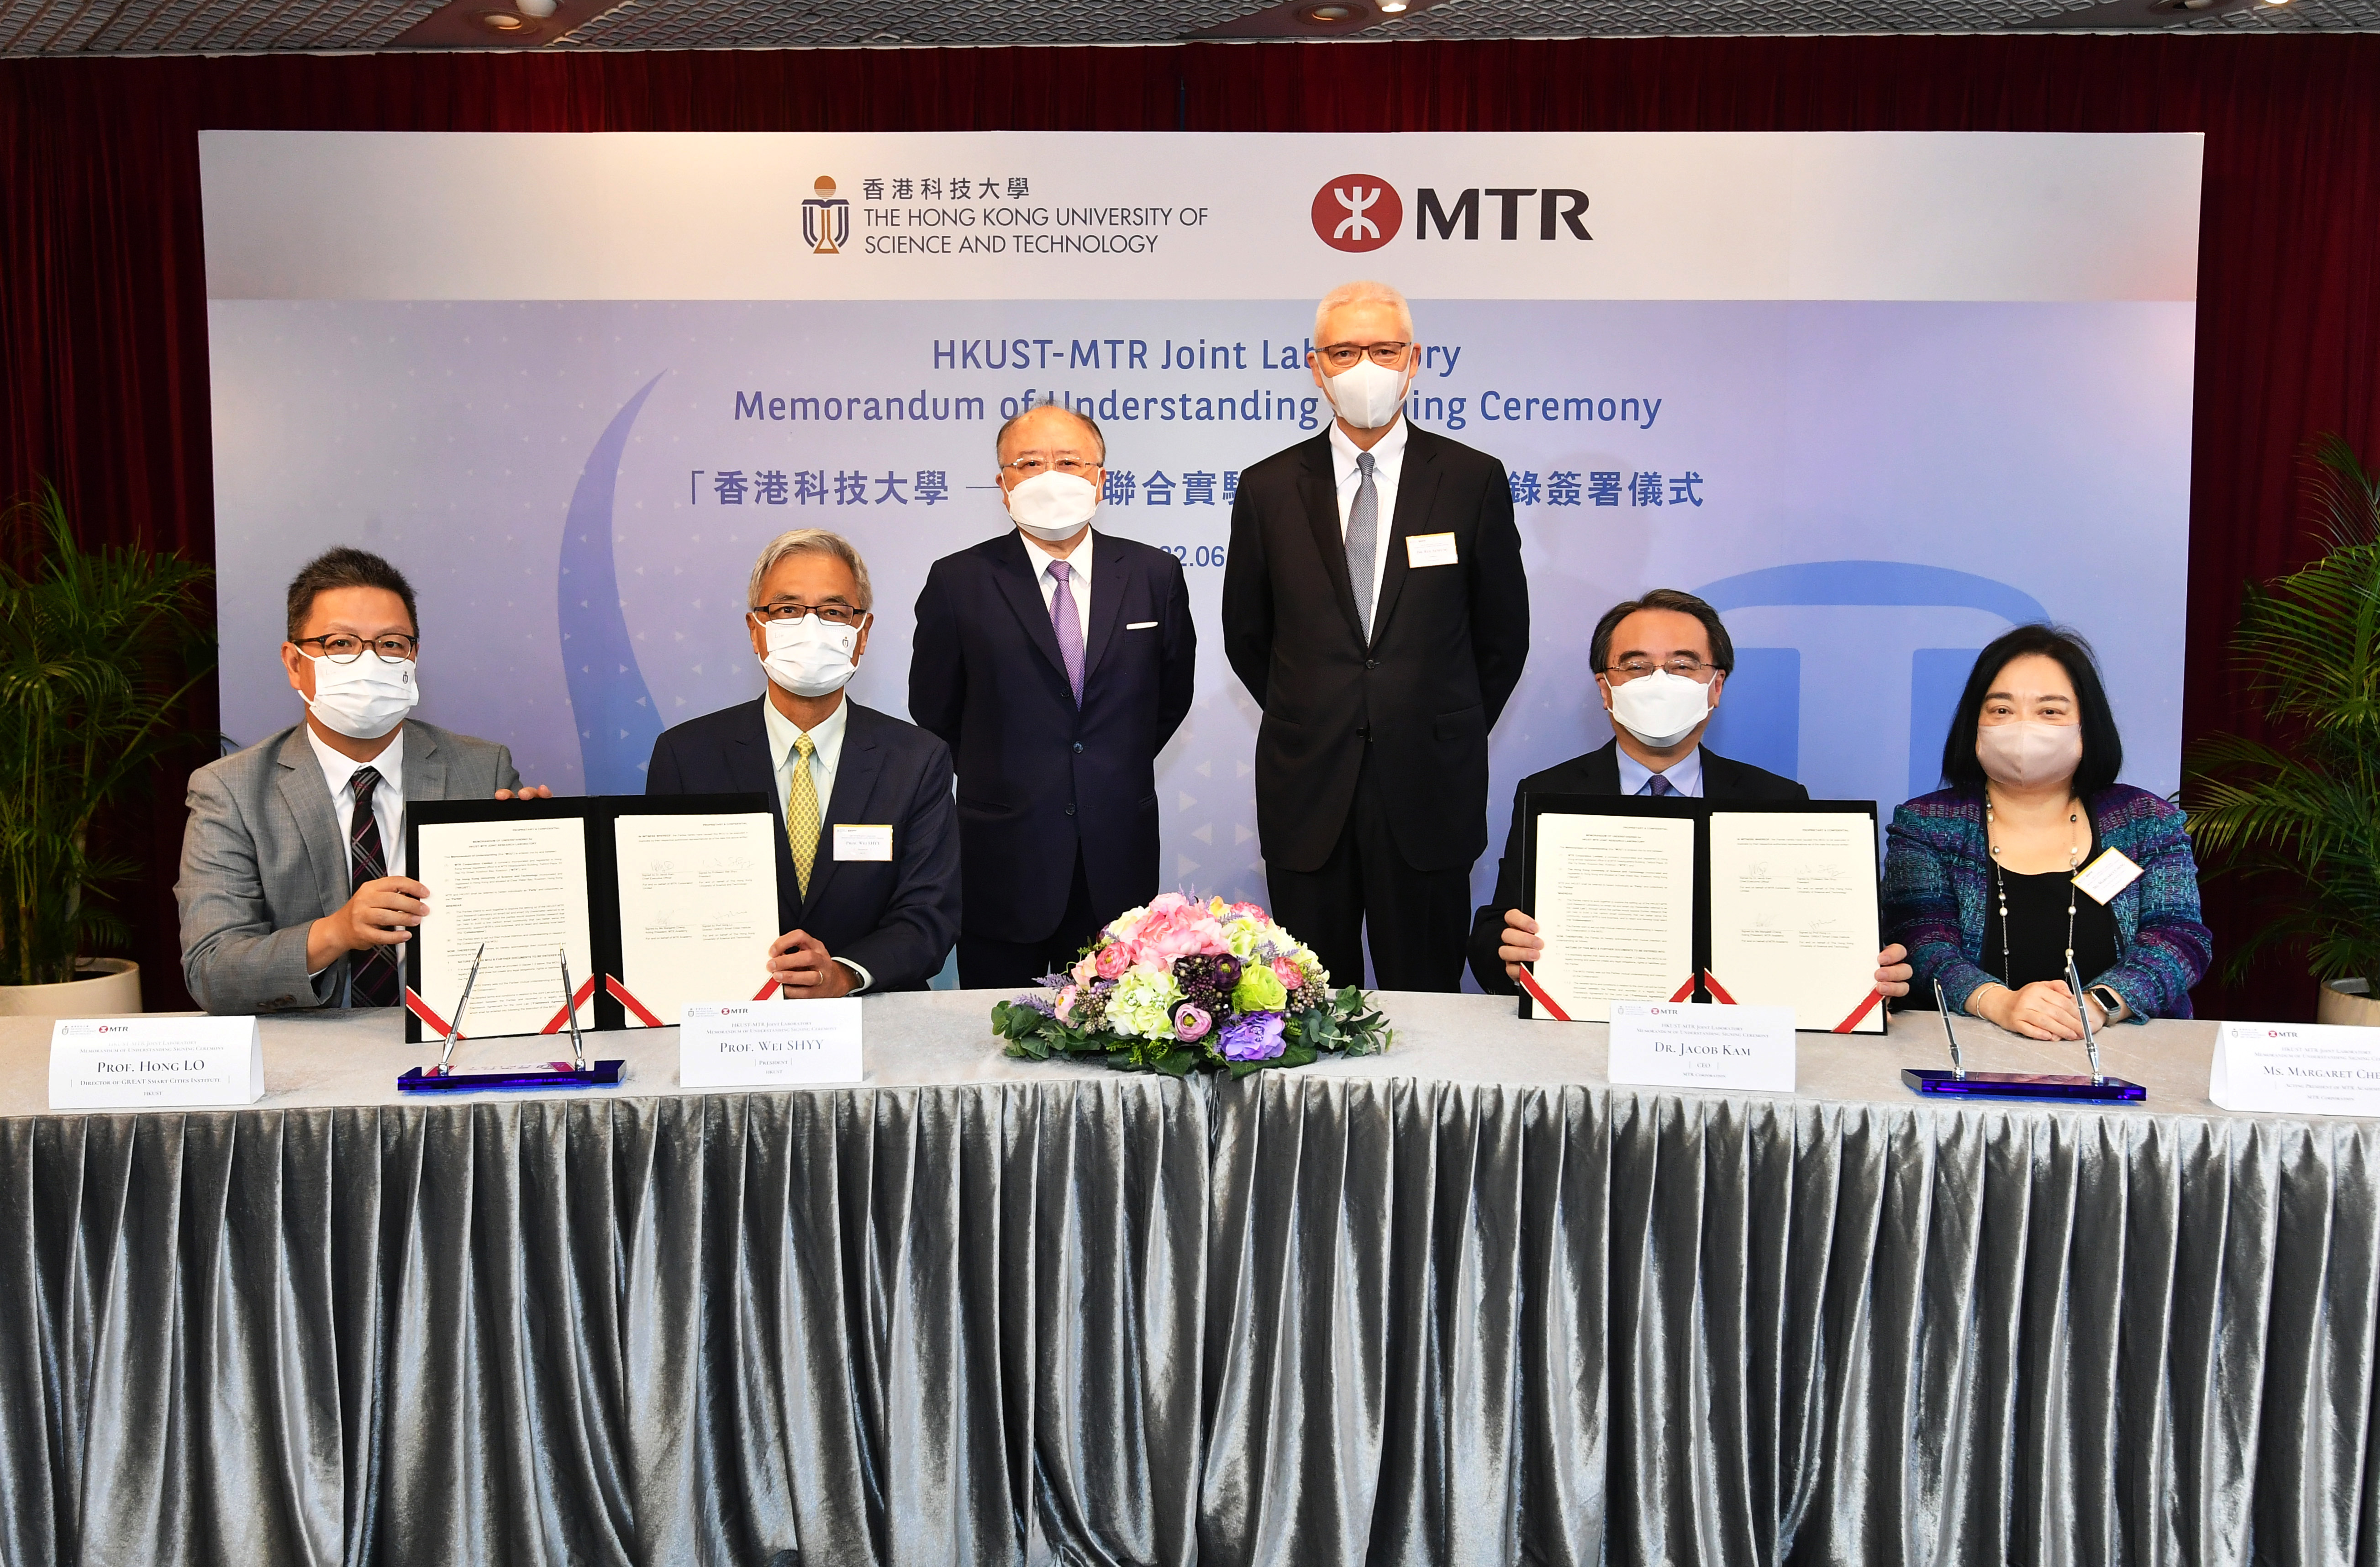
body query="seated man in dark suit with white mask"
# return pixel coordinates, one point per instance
(866, 842)
(1661, 662)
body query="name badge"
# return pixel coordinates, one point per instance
(854, 841)
(1676, 1045)
(2109, 874)
(154, 1062)
(1429, 549)
(765, 1044)
(2296, 1069)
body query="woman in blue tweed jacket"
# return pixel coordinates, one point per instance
(1979, 879)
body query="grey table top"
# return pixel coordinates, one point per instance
(944, 1036)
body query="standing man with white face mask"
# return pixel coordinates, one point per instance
(286, 895)
(1660, 665)
(867, 854)
(1375, 606)
(1056, 661)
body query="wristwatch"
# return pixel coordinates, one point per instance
(2110, 1003)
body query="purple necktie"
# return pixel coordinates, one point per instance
(1063, 620)
(372, 973)
(1657, 786)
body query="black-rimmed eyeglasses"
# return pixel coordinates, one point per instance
(340, 649)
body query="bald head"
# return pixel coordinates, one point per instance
(1052, 432)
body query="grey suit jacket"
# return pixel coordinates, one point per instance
(263, 856)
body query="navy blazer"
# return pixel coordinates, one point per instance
(1596, 772)
(895, 919)
(1446, 649)
(1037, 775)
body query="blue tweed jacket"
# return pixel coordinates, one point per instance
(1938, 880)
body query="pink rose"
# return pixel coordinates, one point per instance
(1087, 968)
(1066, 1004)
(1175, 928)
(1110, 960)
(1288, 972)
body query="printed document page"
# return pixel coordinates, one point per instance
(520, 886)
(1615, 902)
(1793, 914)
(697, 908)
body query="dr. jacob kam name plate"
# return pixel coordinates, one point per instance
(154, 1062)
(2296, 1069)
(1682, 1045)
(768, 1044)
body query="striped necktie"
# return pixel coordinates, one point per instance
(371, 973)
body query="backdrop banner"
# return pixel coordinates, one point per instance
(1876, 396)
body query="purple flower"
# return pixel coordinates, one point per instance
(1257, 1036)
(1040, 1001)
(1191, 1022)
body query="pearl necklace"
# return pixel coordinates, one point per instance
(1999, 881)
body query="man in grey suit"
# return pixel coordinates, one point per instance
(286, 898)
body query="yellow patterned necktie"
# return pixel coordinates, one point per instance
(802, 813)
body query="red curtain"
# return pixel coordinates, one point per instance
(102, 319)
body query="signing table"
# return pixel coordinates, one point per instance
(1465, 1303)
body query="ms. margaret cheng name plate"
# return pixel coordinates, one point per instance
(768, 1044)
(2296, 1069)
(1681, 1045)
(154, 1062)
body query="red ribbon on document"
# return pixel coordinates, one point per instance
(1537, 994)
(768, 992)
(1718, 990)
(1684, 991)
(1848, 1024)
(430, 1019)
(562, 1014)
(619, 992)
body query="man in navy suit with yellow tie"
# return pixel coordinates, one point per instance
(1056, 661)
(867, 858)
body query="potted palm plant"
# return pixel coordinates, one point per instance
(2302, 812)
(99, 652)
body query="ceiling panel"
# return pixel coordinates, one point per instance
(193, 27)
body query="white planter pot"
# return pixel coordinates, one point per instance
(2348, 1002)
(110, 986)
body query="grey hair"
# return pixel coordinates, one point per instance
(809, 542)
(1000, 438)
(1362, 294)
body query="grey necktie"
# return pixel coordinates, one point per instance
(1363, 541)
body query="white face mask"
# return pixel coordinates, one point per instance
(2027, 754)
(808, 657)
(1053, 505)
(1660, 709)
(1368, 395)
(365, 699)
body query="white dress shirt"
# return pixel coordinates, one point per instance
(1686, 774)
(1079, 579)
(826, 755)
(388, 805)
(388, 797)
(1388, 461)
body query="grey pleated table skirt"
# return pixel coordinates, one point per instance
(1462, 1304)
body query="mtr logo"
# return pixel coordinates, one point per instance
(1363, 211)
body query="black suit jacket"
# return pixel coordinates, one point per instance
(1447, 646)
(1038, 776)
(1596, 772)
(895, 919)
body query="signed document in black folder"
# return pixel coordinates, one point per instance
(1756, 904)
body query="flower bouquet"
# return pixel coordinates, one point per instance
(1181, 985)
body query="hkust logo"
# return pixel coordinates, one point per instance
(826, 219)
(1363, 211)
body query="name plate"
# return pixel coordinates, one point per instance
(768, 1044)
(2296, 1068)
(154, 1062)
(1676, 1045)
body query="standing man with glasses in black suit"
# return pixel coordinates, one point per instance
(1056, 661)
(1374, 606)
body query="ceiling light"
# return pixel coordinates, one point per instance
(1394, 6)
(1326, 15)
(540, 10)
(502, 21)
